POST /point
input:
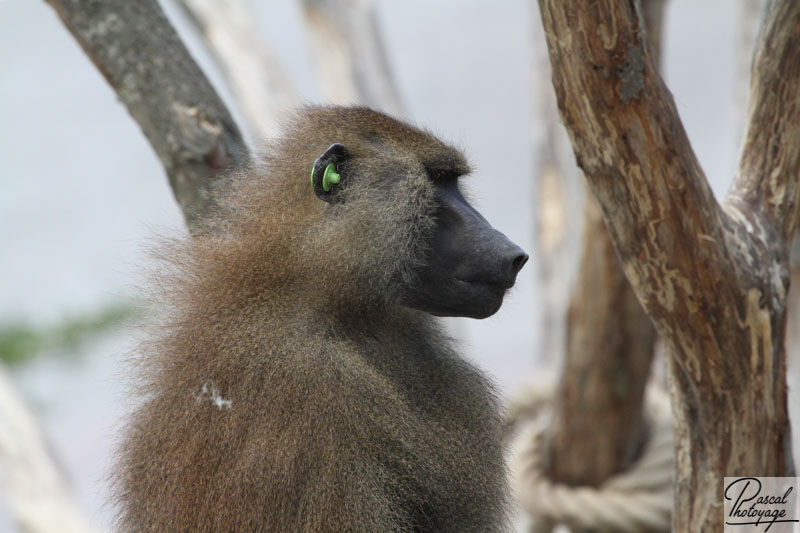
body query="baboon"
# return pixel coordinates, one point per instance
(296, 380)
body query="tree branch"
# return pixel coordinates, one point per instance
(598, 426)
(137, 50)
(632, 147)
(770, 158)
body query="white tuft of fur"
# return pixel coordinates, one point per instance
(210, 392)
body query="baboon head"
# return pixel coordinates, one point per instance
(382, 220)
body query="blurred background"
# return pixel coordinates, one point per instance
(82, 193)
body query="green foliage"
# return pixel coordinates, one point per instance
(20, 342)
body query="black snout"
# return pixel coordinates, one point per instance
(518, 262)
(498, 260)
(470, 264)
(485, 256)
(513, 261)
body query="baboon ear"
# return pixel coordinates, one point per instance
(324, 175)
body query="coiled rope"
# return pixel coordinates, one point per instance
(638, 499)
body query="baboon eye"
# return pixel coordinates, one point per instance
(444, 175)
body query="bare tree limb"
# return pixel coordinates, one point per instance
(750, 14)
(38, 496)
(770, 159)
(349, 55)
(618, 111)
(137, 50)
(255, 72)
(610, 348)
(713, 280)
(598, 426)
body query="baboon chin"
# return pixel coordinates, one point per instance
(295, 380)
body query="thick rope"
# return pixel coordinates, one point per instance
(638, 499)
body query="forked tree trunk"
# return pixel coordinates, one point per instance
(714, 278)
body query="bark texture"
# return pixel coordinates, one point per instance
(138, 52)
(714, 278)
(598, 426)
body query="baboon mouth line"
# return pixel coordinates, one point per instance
(491, 284)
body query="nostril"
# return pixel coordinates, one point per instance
(519, 262)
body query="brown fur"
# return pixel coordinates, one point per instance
(348, 412)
